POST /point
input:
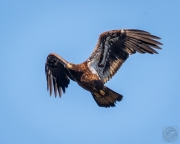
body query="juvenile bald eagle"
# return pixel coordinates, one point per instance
(111, 51)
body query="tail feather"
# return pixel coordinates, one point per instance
(108, 99)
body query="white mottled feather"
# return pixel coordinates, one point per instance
(114, 47)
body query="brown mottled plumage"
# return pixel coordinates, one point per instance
(111, 51)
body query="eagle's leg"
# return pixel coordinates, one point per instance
(102, 92)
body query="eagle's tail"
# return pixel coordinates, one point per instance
(106, 97)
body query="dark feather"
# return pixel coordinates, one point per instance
(109, 99)
(57, 75)
(115, 46)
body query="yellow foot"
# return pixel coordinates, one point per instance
(102, 92)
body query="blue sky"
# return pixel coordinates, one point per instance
(30, 30)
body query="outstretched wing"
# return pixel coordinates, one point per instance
(115, 46)
(57, 75)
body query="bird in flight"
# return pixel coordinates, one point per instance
(112, 50)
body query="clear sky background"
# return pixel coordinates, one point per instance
(150, 84)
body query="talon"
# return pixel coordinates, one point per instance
(102, 92)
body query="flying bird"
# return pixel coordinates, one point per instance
(112, 50)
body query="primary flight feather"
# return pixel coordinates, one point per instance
(111, 51)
